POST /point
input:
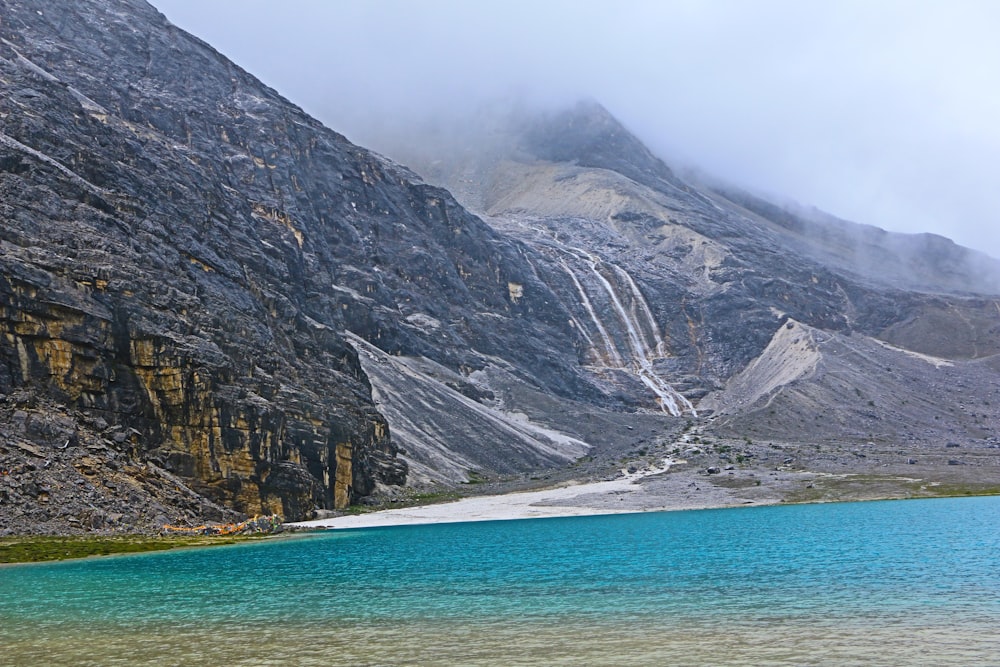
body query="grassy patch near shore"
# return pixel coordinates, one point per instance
(849, 487)
(432, 497)
(866, 487)
(34, 548)
(734, 482)
(946, 490)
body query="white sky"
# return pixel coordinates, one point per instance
(885, 112)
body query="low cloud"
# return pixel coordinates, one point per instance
(883, 113)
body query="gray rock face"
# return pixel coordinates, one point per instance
(152, 273)
(181, 249)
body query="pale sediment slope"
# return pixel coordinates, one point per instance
(649, 489)
(793, 354)
(450, 427)
(816, 387)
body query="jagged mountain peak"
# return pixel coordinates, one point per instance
(587, 134)
(580, 132)
(581, 161)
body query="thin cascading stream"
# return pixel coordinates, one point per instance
(669, 397)
(638, 298)
(576, 323)
(639, 352)
(611, 352)
(639, 348)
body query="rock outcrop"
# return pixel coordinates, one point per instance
(150, 281)
(182, 251)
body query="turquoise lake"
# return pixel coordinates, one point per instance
(879, 583)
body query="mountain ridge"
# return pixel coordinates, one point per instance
(745, 267)
(214, 306)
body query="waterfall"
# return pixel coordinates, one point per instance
(638, 345)
(637, 298)
(611, 352)
(638, 353)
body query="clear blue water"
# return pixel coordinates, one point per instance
(898, 582)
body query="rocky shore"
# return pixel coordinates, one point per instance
(709, 473)
(49, 483)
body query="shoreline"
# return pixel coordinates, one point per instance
(571, 499)
(665, 488)
(673, 485)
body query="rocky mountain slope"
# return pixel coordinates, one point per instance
(775, 324)
(212, 305)
(180, 254)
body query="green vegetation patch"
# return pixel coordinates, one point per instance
(32, 549)
(475, 477)
(855, 487)
(411, 499)
(430, 498)
(961, 489)
(867, 487)
(734, 482)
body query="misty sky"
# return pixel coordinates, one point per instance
(878, 111)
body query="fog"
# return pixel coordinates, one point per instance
(883, 113)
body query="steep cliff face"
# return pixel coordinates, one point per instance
(137, 288)
(166, 269)
(182, 251)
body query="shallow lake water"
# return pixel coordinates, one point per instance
(896, 582)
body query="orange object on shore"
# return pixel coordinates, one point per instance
(258, 525)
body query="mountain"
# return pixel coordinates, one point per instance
(777, 324)
(182, 250)
(212, 305)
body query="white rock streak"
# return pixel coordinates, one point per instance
(639, 353)
(610, 351)
(638, 299)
